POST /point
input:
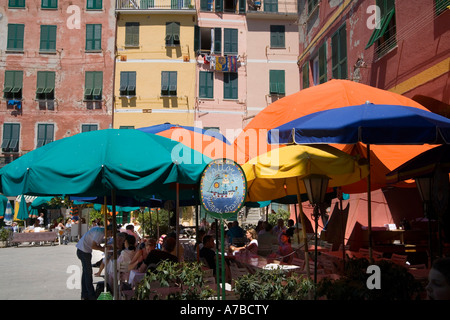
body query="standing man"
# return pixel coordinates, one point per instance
(90, 241)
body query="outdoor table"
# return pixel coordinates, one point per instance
(135, 277)
(286, 267)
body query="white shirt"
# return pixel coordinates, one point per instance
(95, 234)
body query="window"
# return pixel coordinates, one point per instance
(441, 6)
(93, 37)
(94, 4)
(126, 127)
(45, 134)
(323, 63)
(277, 82)
(277, 36)
(230, 85)
(206, 85)
(172, 34)
(168, 83)
(93, 85)
(45, 88)
(11, 135)
(48, 38)
(49, 4)
(230, 41)
(208, 40)
(339, 53)
(132, 34)
(13, 85)
(16, 3)
(271, 5)
(305, 75)
(89, 127)
(218, 6)
(206, 5)
(128, 83)
(312, 4)
(384, 35)
(15, 36)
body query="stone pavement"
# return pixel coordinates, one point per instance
(41, 272)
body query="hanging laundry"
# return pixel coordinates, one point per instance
(222, 64)
(232, 63)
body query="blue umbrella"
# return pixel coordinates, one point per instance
(369, 124)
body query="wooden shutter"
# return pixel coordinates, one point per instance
(217, 40)
(132, 34)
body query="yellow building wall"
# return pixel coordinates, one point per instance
(149, 60)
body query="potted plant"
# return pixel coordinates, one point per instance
(274, 284)
(5, 235)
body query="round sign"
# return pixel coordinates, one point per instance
(223, 188)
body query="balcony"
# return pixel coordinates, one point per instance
(162, 6)
(280, 9)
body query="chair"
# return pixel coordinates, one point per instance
(377, 254)
(399, 259)
(327, 245)
(347, 247)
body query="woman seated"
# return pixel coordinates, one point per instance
(285, 249)
(123, 261)
(252, 246)
(141, 254)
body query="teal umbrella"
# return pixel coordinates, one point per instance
(106, 162)
(40, 201)
(3, 202)
(23, 213)
(131, 162)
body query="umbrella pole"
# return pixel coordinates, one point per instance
(369, 205)
(302, 219)
(178, 221)
(342, 228)
(105, 213)
(157, 223)
(113, 203)
(222, 242)
(296, 221)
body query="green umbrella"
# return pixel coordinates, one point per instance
(93, 163)
(23, 210)
(107, 162)
(3, 203)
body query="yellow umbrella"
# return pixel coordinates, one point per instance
(276, 173)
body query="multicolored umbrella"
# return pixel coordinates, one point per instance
(332, 94)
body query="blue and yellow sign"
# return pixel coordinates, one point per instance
(223, 188)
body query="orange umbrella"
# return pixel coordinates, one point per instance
(210, 143)
(332, 94)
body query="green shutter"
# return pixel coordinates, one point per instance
(132, 34)
(277, 82)
(94, 4)
(323, 63)
(93, 37)
(173, 83)
(217, 40)
(387, 13)
(441, 5)
(305, 75)
(230, 85)
(206, 84)
(49, 4)
(15, 36)
(13, 84)
(203, 5)
(230, 41)
(219, 6)
(277, 37)
(196, 38)
(48, 38)
(242, 5)
(164, 83)
(16, 3)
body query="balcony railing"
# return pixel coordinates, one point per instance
(155, 5)
(281, 7)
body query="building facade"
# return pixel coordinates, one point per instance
(57, 63)
(401, 46)
(155, 63)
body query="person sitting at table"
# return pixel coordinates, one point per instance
(124, 259)
(252, 246)
(156, 256)
(141, 254)
(438, 287)
(266, 240)
(207, 252)
(285, 249)
(235, 232)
